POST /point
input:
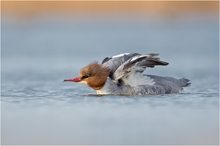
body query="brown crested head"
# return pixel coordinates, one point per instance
(94, 75)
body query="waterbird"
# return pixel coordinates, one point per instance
(123, 74)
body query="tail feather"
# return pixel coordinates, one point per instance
(184, 82)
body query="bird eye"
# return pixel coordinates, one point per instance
(85, 76)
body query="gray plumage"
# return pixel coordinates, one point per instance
(114, 62)
(127, 78)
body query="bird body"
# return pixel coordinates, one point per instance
(123, 75)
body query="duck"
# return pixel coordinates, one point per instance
(123, 74)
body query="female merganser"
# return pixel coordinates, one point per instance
(123, 75)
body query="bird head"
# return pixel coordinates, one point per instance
(94, 75)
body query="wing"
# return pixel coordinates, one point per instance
(136, 65)
(115, 61)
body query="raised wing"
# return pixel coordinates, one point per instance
(115, 61)
(136, 65)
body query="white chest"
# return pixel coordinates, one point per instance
(107, 88)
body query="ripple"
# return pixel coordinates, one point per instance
(49, 93)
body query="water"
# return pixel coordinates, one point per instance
(39, 108)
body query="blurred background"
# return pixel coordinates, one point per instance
(67, 35)
(44, 42)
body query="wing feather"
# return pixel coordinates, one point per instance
(137, 64)
(114, 62)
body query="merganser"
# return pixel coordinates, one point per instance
(123, 75)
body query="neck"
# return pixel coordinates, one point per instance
(110, 87)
